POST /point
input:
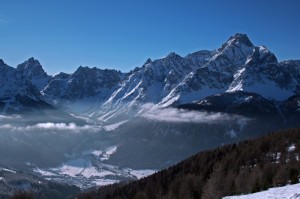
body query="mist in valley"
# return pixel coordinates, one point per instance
(90, 152)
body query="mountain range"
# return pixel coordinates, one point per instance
(237, 68)
(99, 126)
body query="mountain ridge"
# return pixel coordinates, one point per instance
(238, 65)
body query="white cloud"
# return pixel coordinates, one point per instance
(12, 117)
(6, 126)
(180, 115)
(71, 127)
(5, 117)
(50, 125)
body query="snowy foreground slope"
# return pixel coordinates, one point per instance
(286, 192)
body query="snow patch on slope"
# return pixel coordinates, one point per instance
(108, 152)
(286, 192)
(7, 170)
(140, 173)
(291, 148)
(266, 88)
(114, 126)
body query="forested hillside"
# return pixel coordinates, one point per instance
(249, 166)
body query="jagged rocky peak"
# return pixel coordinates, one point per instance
(239, 39)
(199, 58)
(201, 53)
(149, 61)
(293, 66)
(30, 63)
(82, 69)
(173, 55)
(33, 71)
(235, 51)
(261, 55)
(61, 75)
(86, 71)
(172, 60)
(2, 62)
(31, 67)
(96, 72)
(4, 65)
(96, 76)
(295, 63)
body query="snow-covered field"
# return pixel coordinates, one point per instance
(89, 170)
(140, 173)
(286, 192)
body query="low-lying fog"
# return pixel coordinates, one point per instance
(81, 153)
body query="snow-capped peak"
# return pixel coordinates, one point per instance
(31, 67)
(33, 71)
(149, 61)
(239, 39)
(172, 55)
(234, 52)
(237, 65)
(30, 64)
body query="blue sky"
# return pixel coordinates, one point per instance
(64, 34)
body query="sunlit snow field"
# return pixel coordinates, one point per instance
(89, 170)
(286, 192)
